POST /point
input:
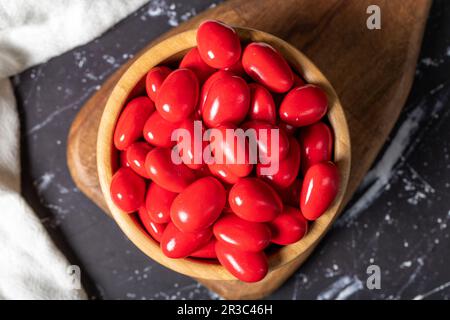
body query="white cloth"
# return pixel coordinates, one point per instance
(31, 32)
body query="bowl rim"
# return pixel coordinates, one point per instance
(159, 53)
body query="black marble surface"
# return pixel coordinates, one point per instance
(399, 219)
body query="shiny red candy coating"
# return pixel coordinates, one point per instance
(157, 202)
(136, 154)
(198, 206)
(289, 227)
(262, 106)
(218, 44)
(320, 187)
(194, 62)
(154, 229)
(177, 244)
(288, 168)
(127, 190)
(242, 234)
(267, 66)
(178, 95)
(165, 173)
(154, 79)
(303, 106)
(208, 251)
(316, 143)
(254, 200)
(245, 265)
(131, 122)
(227, 101)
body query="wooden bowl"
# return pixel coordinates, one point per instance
(130, 83)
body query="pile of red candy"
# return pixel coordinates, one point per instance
(225, 211)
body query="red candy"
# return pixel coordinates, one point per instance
(222, 172)
(136, 154)
(237, 69)
(245, 265)
(208, 251)
(178, 95)
(298, 81)
(154, 79)
(241, 234)
(316, 143)
(262, 106)
(123, 159)
(264, 140)
(218, 44)
(177, 244)
(193, 147)
(289, 227)
(156, 230)
(266, 65)
(165, 173)
(291, 194)
(228, 150)
(319, 189)
(194, 62)
(287, 168)
(158, 131)
(207, 85)
(131, 122)
(157, 202)
(192, 211)
(127, 190)
(289, 129)
(192, 181)
(303, 106)
(254, 200)
(227, 101)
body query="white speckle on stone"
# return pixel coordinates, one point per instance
(406, 264)
(131, 295)
(341, 289)
(415, 199)
(109, 59)
(388, 218)
(44, 182)
(429, 62)
(162, 8)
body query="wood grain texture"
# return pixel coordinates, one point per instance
(372, 72)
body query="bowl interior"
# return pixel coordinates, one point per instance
(131, 84)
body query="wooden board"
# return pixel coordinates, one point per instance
(371, 70)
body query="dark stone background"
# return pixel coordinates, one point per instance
(398, 220)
